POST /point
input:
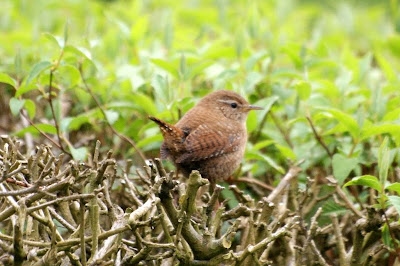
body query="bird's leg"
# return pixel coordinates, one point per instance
(230, 180)
(177, 173)
(211, 185)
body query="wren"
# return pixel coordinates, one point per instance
(211, 137)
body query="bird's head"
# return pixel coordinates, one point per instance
(229, 104)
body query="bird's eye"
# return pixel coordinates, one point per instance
(233, 105)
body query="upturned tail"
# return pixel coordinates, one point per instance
(170, 132)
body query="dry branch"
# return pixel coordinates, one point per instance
(52, 211)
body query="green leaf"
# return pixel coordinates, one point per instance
(365, 180)
(262, 144)
(55, 39)
(252, 79)
(79, 51)
(138, 30)
(253, 59)
(122, 104)
(228, 194)
(386, 239)
(265, 103)
(73, 123)
(395, 201)
(285, 73)
(4, 78)
(262, 157)
(303, 89)
(198, 68)
(145, 102)
(69, 74)
(218, 51)
(347, 120)
(394, 187)
(112, 116)
(148, 140)
(46, 128)
(170, 68)
(383, 161)
(386, 67)
(330, 207)
(374, 130)
(30, 106)
(64, 124)
(293, 51)
(161, 88)
(16, 105)
(342, 166)
(36, 70)
(24, 89)
(182, 67)
(392, 115)
(79, 153)
(286, 152)
(251, 122)
(393, 41)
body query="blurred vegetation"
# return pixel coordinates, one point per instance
(327, 73)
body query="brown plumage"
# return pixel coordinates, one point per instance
(211, 137)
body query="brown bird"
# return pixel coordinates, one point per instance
(211, 137)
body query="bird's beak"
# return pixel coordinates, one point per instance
(253, 107)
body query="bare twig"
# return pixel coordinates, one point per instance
(342, 195)
(82, 232)
(121, 136)
(256, 182)
(292, 173)
(281, 129)
(44, 134)
(318, 137)
(339, 240)
(53, 113)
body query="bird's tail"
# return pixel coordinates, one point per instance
(169, 131)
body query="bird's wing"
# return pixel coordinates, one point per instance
(205, 142)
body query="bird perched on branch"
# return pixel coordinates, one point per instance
(211, 137)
